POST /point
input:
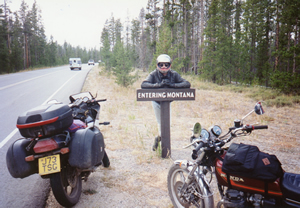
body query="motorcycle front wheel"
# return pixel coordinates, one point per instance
(66, 186)
(105, 160)
(176, 179)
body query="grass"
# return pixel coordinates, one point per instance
(271, 97)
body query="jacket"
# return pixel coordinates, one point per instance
(172, 80)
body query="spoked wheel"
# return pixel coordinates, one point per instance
(66, 186)
(176, 179)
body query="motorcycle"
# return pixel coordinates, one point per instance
(245, 176)
(62, 142)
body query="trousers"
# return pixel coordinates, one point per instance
(156, 108)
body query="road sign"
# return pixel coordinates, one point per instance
(165, 96)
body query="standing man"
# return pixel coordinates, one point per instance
(163, 77)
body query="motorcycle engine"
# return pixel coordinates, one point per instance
(233, 198)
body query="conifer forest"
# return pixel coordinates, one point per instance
(251, 42)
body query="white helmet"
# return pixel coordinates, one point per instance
(163, 60)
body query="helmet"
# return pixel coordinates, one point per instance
(163, 58)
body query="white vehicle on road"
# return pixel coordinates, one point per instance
(91, 62)
(75, 63)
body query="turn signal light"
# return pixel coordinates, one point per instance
(29, 158)
(64, 150)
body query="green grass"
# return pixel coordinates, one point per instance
(270, 96)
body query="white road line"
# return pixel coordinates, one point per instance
(27, 80)
(16, 130)
(8, 137)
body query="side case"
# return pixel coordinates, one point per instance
(86, 148)
(15, 160)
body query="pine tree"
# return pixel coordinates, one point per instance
(4, 54)
(123, 66)
(164, 46)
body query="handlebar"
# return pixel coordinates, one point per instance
(102, 100)
(261, 127)
(232, 131)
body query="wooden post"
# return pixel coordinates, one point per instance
(165, 96)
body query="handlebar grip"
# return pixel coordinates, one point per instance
(260, 127)
(102, 100)
(195, 151)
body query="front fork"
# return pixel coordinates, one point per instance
(195, 173)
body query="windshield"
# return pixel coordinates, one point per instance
(81, 95)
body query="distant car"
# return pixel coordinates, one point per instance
(91, 62)
(75, 63)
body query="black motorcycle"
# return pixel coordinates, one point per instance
(62, 142)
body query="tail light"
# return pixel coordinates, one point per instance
(45, 145)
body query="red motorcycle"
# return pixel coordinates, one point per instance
(246, 177)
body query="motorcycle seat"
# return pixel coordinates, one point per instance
(291, 186)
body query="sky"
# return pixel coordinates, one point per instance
(80, 22)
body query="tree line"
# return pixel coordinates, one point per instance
(23, 43)
(253, 42)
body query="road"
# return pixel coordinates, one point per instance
(20, 92)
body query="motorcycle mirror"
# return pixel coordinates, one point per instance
(258, 109)
(197, 130)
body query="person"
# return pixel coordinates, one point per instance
(163, 77)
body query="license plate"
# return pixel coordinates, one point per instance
(49, 164)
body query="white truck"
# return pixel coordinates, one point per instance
(75, 63)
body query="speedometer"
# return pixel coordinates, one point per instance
(216, 130)
(204, 134)
(85, 99)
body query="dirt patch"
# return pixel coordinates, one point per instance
(138, 176)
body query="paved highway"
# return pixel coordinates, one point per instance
(20, 92)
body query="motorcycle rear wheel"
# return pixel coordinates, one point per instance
(105, 160)
(66, 186)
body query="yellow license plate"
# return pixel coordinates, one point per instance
(49, 164)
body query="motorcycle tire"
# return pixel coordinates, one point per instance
(66, 186)
(105, 160)
(176, 178)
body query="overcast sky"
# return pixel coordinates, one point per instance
(80, 22)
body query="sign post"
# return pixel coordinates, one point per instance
(165, 96)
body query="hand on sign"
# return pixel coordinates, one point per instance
(167, 83)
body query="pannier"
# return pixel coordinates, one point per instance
(86, 148)
(45, 120)
(248, 161)
(15, 160)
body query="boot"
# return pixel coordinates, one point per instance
(156, 141)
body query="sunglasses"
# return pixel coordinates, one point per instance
(162, 64)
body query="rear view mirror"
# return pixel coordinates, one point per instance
(197, 130)
(259, 109)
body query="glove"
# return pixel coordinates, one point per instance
(166, 82)
(158, 85)
(172, 85)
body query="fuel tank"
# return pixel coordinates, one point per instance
(247, 184)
